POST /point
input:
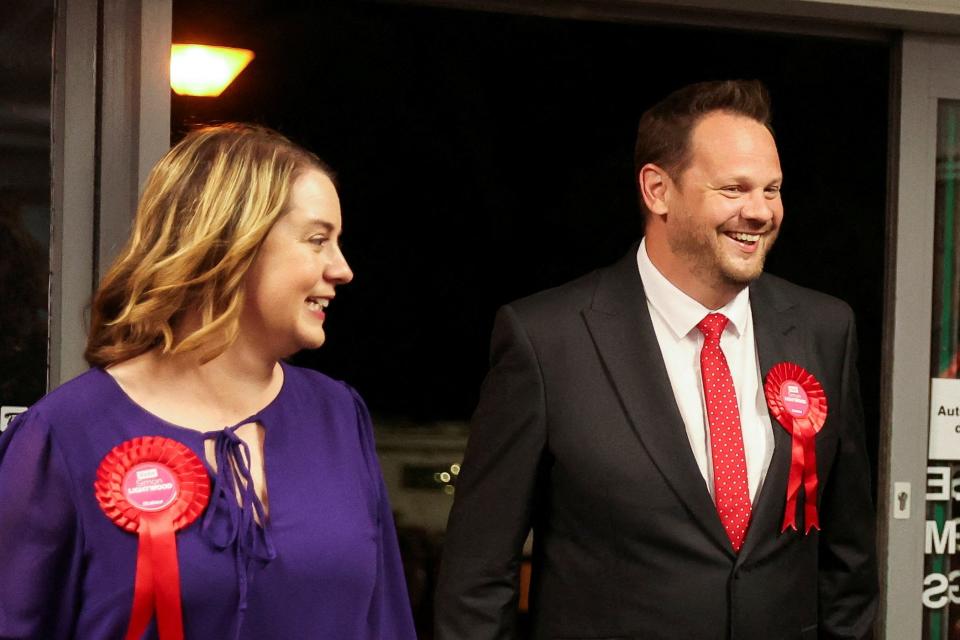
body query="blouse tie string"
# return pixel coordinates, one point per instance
(239, 528)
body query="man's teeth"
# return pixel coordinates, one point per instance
(745, 237)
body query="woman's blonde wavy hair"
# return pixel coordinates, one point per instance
(206, 209)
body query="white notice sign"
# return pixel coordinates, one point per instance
(7, 414)
(944, 419)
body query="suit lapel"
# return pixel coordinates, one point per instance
(778, 340)
(619, 322)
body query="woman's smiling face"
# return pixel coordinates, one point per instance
(297, 268)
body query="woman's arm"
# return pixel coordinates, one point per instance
(40, 536)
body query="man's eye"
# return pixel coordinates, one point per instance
(733, 188)
(772, 192)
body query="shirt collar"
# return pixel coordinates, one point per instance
(680, 312)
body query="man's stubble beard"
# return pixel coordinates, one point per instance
(701, 249)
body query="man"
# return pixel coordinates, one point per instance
(659, 510)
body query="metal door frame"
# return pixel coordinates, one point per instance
(928, 73)
(110, 124)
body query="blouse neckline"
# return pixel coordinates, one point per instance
(227, 524)
(205, 433)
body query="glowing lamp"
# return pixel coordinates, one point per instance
(201, 70)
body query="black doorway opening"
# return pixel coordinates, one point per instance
(485, 156)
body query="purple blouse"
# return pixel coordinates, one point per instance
(325, 566)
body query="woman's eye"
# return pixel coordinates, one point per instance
(318, 240)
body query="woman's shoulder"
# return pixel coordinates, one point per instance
(309, 392)
(57, 420)
(318, 385)
(81, 397)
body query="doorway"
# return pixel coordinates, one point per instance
(484, 156)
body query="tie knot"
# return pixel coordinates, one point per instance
(712, 326)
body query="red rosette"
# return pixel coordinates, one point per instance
(797, 401)
(153, 486)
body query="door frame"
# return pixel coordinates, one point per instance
(111, 122)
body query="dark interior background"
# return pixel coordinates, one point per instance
(26, 35)
(485, 156)
(482, 157)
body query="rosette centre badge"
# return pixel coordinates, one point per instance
(794, 399)
(150, 486)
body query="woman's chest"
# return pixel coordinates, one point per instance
(320, 541)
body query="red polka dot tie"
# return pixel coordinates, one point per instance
(726, 440)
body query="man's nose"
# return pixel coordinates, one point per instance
(758, 207)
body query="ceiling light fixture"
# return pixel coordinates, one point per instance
(202, 70)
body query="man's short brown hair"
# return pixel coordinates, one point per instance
(663, 135)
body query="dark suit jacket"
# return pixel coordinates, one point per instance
(578, 435)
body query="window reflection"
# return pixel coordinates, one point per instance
(941, 619)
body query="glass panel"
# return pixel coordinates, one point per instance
(26, 31)
(942, 582)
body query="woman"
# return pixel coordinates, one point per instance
(232, 263)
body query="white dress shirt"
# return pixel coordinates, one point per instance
(675, 316)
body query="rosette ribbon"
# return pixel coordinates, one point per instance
(797, 401)
(153, 486)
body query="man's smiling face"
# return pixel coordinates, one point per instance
(725, 210)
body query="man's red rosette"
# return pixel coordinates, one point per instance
(796, 399)
(153, 486)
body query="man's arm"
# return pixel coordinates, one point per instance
(848, 564)
(477, 591)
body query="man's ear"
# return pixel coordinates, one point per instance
(653, 183)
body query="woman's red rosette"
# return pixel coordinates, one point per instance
(796, 399)
(153, 486)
